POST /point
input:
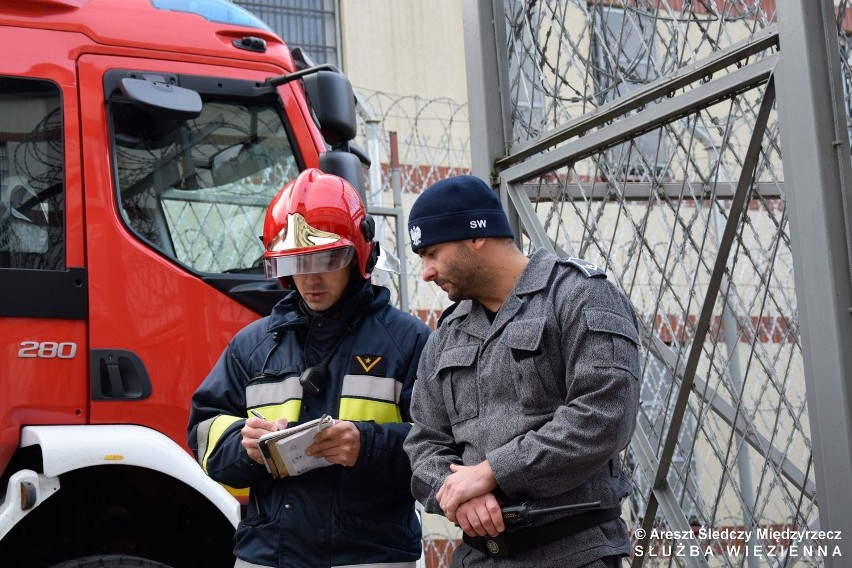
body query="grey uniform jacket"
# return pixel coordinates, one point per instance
(548, 393)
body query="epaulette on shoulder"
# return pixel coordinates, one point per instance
(591, 270)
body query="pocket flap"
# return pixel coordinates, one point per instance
(463, 356)
(524, 335)
(610, 322)
(273, 373)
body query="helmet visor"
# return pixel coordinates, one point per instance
(308, 263)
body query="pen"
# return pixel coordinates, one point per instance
(258, 414)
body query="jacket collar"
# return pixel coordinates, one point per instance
(366, 299)
(533, 279)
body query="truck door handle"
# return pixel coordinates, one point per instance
(118, 375)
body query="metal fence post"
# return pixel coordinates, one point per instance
(489, 111)
(817, 172)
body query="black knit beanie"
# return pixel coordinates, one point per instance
(455, 209)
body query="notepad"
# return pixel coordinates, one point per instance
(284, 450)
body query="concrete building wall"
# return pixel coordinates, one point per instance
(408, 47)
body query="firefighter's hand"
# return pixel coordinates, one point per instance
(463, 484)
(253, 429)
(481, 516)
(339, 443)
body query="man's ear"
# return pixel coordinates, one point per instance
(478, 243)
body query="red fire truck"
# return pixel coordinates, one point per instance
(140, 143)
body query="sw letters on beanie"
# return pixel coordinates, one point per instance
(455, 209)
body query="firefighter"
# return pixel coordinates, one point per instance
(527, 391)
(334, 345)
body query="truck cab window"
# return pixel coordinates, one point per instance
(32, 192)
(197, 189)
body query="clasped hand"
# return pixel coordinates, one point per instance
(466, 498)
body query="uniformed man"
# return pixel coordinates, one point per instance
(334, 345)
(528, 391)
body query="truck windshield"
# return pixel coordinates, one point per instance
(222, 11)
(198, 189)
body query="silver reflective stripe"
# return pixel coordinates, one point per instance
(243, 564)
(273, 393)
(202, 438)
(377, 388)
(380, 565)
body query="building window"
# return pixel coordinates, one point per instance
(309, 24)
(626, 49)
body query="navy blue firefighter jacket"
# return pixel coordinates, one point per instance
(332, 515)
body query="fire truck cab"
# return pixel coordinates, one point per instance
(140, 143)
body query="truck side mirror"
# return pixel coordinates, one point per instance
(347, 166)
(332, 100)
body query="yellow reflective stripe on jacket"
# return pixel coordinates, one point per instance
(208, 435)
(364, 397)
(276, 400)
(360, 409)
(290, 410)
(244, 492)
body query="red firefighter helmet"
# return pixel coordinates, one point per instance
(317, 223)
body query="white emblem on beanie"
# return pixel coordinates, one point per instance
(415, 235)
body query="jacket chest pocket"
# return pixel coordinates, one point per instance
(537, 382)
(618, 341)
(276, 393)
(457, 371)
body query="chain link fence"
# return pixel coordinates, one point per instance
(651, 203)
(645, 139)
(414, 142)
